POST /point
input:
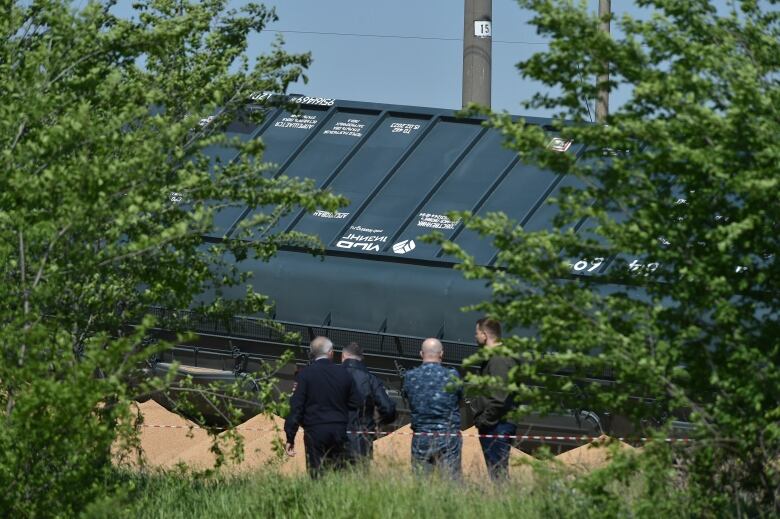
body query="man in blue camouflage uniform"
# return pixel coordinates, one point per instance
(435, 410)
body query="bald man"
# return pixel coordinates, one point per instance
(434, 394)
(323, 398)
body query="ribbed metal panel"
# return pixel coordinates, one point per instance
(403, 170)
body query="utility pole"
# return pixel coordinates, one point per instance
(477, 51)
(602, 102)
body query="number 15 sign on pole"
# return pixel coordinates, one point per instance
(482, 29)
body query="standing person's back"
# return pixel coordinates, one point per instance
(323, 397)
(372, 396)
(434, 409)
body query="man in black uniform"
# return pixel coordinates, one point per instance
(490, 410)
(321, 402)
(373, 396)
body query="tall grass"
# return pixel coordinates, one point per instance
(351, 494)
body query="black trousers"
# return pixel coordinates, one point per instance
(327, 447)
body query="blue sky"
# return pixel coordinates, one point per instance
(420, 67)
(409, 71)
(394, 70)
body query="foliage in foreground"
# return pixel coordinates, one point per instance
(105, 195)
(357, 494)
(663, 266)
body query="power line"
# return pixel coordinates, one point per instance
(399, 37)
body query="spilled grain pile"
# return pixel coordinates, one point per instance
(472, 459)
(167, 439)
(162, 433)
(394, 451)
(259, 435)
(519, 466)
(593, 455)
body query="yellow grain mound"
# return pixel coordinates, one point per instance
(394, 451)
(519, 469)
(472, 459)
(593, 455)
(259, 436)
(158, 443)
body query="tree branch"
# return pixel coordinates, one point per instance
(19, 133)
(25, 296)
(46, 255)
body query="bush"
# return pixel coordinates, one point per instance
(105, 197)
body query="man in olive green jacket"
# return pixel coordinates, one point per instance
(490, 410)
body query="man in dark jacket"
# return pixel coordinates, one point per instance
(323, 398)
(490, 410)
(373, 396)
(434, 400)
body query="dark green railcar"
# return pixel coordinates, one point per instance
(403, 169)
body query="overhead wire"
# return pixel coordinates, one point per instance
(397, 36)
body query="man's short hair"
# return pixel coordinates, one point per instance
(490, 327)
(354, 349)
(320, 346)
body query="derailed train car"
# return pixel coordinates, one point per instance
(403, 170)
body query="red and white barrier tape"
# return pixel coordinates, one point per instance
(535, 437)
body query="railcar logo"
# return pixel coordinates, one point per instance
(404, 246)
(558, 144)
(363, 242)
